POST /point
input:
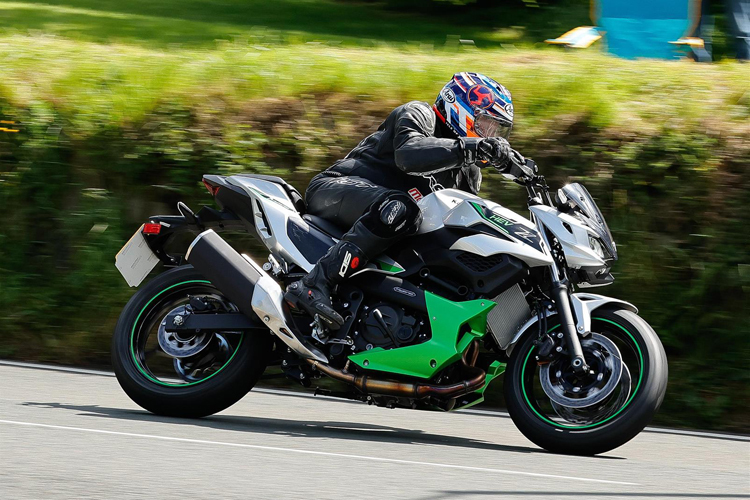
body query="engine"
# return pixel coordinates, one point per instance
(380, 324)
(386, 326)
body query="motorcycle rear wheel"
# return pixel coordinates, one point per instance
(612, 427)
(240, 360)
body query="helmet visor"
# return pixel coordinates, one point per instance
(486, 125)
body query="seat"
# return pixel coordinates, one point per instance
(325, 226)
(294, 195)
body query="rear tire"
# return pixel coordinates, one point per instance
(559, 436)
(205, 397)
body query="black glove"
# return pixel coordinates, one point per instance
(469, 179)
(495, 151)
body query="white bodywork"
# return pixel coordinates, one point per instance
(447, 208)
(452, 208)
(583, 305)
(574, 238)
(444, 208)
(270, 199)
(486, 245)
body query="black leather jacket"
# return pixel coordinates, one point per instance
(409, 147)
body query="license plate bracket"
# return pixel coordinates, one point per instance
(135, 259)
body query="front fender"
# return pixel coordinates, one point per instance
(583, 305)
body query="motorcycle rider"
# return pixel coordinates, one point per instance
(374, 190)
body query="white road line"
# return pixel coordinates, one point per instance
(281, 392)
(320, 453)
(55, 368)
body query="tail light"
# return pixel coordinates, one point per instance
(211, 189)
(151, 228)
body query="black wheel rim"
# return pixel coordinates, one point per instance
(633, 366)
(159, 367)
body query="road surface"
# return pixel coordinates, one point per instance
(74, 435)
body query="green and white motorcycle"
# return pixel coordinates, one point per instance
(479, 292)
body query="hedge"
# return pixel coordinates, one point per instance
(667, 159)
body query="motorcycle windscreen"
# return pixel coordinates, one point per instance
(579, 197)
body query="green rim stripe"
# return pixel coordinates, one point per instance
(638, 385)
(138, 364)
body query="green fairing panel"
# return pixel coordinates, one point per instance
(387, 264)
(495, 369)
(444, 348)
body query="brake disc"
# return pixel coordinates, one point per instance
(597, 413)
(178, 346)
(554, 376)
(192, 370)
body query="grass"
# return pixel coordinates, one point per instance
(116, 83)
(201, 22)
(109, 61)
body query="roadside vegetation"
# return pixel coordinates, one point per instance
(121, 107)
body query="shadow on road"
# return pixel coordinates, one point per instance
(297, 428)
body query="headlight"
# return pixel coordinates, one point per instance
(597, 247)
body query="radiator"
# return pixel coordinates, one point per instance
(508, 316)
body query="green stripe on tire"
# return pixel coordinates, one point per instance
(640, 377)
(138, 364)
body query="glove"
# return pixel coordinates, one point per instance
(469, 179)
(495, 151)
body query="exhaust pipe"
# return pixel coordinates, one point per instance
(248, 287)
(371, 385)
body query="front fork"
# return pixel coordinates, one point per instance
(561, 296)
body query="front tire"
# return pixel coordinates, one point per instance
(527, 404)
(243, 359)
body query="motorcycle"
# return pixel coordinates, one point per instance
(477, 293)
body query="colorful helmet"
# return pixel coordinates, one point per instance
(473, 105)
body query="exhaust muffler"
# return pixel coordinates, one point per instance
(234, 275)
(248, 287)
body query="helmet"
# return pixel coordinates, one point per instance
(473, 105)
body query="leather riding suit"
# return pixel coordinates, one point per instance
(374, 191)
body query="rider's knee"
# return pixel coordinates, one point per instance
(397, 214)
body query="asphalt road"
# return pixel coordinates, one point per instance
(77, 435)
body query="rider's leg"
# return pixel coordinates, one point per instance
(389, 215)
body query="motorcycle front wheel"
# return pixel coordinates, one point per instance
(569, 413)
(191, 376)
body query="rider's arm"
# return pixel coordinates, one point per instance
(417, 149)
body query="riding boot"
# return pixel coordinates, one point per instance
(313, 292)
(389, 222)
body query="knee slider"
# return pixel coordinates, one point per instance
(399, 213)
(392, 213)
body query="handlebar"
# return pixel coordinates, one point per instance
(523, 171)
(520, 169)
